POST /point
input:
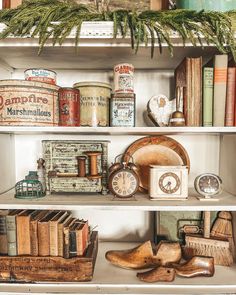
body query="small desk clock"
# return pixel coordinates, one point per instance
(208, 185)
(168, 182)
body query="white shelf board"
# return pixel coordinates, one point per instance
(227, 202)
(25, 130)
(109, 279)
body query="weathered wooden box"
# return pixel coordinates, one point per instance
(62, 167)
(49, 269)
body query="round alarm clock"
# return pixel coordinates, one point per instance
(123, 180)
(208, 185)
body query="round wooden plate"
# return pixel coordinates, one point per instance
(155, 150)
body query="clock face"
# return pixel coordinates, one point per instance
(169, 183)
(208, 184)
(123, 183)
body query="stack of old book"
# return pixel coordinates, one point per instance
(208, 91)
(42, 233)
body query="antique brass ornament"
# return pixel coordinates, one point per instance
(177, 117)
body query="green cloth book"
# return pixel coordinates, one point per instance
(208, 92)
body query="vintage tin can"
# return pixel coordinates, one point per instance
(28, 103)
(124, 78)
(69, 107)
(94, 103)
(41, 75)
(122, 110)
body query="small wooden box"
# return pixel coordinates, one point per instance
(49, 269)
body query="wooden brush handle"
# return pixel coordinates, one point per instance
(207, 224)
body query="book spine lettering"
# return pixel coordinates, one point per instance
(34, 238)
(11, 235)
(208, 74)
(53, 235)
(3, 235)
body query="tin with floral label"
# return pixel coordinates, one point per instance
(122, 110)
(94, 103)
(28, 103)
(69, 107)
(124, 78)
(41, 75)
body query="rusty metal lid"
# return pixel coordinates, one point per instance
(25, 83)
(92, 84)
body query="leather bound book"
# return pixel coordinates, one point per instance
(230, 97)
(34, 231)
(53, 232)
(11, 232)
(61, 226)
(189, 76)
(72, 239)
(82, 234)
(66, 246)
(23, 232)
(43, 233)
(3, 232)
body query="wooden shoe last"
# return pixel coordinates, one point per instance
(143, 256)
(197, 266)
(158, 274)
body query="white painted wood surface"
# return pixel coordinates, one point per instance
(210, 150)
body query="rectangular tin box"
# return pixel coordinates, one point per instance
(61, 166)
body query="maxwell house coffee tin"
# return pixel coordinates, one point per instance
(28, 103)
(124, 78)
(69, 107)
(41, 75)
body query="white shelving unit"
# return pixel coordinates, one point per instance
(210, 150)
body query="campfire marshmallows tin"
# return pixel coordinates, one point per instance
(122, 110)
(94, 103)
(41, 75)
(28, 103)
(69, 107)
(124, 78)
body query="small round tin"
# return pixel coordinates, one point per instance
(41, 75)
(69, 107)
(124, 78)
(94, 103)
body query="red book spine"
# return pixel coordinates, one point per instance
(230, 97)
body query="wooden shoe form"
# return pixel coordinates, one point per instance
(143, 256)
(158, 274)
(196, 266)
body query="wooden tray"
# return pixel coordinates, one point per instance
(155, 150)
(38, 269)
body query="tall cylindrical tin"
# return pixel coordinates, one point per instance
(28, 103)
(69, 107)
(124, 78)
(94, 103)
(122, 110)
(41, 75)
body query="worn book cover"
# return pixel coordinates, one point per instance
(43, 233)
(230, 94)
(189, 76)
(34, 231)
(23, 232)
(208, 77)
(53, 232)
(220, 86)
(61, 226)
(66, 245)
(82, 233)
(3, 232)
(11, 232)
